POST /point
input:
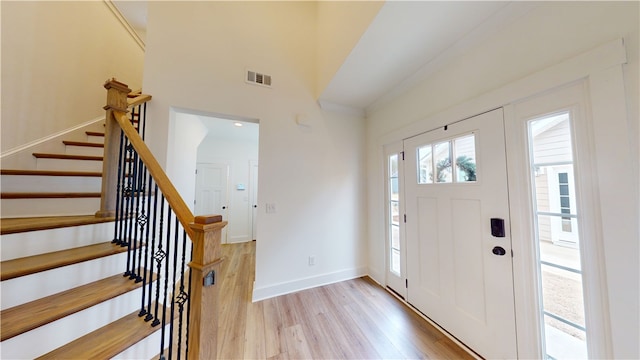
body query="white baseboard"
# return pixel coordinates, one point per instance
(306, 283)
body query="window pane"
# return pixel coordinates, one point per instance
(395, 261)
(551, 137)
(393, 165)
(425, 165)
(395, 212)
(393, 188)
(442, 153)
(465, 150)
(557, 235)
(395, 237)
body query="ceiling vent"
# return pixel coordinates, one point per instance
(257, 78)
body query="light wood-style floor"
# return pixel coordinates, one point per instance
(354, 319)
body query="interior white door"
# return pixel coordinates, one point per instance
(459, 273)
(211, 191)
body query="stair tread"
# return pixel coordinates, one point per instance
(82, 143)
(48, 195)
(10, 269)
(50, 173)
(94, 133)
(106, 342)
(18, 225)
(68, 157)
(26, 317)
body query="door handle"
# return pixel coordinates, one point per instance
(255, 206)
(224, 207)
(499, 250)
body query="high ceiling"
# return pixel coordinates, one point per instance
(405, 43)
(408, 41)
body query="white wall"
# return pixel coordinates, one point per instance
(237, 153)
(188, 132)
(196, 55)
(547, 35)
(340, 26)
(58, 55)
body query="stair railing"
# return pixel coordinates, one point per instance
(153, 222)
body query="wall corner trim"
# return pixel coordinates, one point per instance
(125, 23)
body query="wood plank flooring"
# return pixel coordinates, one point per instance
(355, 319)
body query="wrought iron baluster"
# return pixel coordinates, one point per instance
(146, 273)
(159, 257)
(142, 118)
(133, 216)
(141, 216)
(128, 193)
(166, 278)
(120, 180)
(155, 225)
(173, 286)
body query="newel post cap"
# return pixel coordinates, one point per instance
(115, 84)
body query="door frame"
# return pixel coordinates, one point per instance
(253, 197)
(572, 98)
(601, 70)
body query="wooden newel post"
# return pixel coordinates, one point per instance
(205, 271)
(116, 100)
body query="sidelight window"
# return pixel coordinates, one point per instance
(557, 238)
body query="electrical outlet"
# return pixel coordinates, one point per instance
(312, 260)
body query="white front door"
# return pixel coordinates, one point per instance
(211, 191)
(459, 269)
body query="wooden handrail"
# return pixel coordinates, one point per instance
(140, 99)
(180, 208)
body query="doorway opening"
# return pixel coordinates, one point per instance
(227, 175)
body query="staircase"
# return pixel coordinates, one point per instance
(78, 284)
(63, 293)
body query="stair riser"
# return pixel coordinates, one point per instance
(48, 337)
(15, 208)
(95, 139)
(31, 287)
(30, 183)
(39, 242)
(147, 348)
(83, 150)
(68, 165)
